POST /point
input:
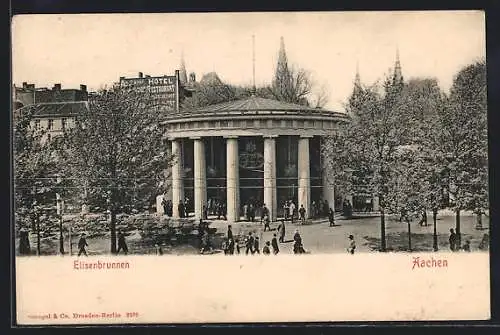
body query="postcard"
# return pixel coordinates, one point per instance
(250, 167)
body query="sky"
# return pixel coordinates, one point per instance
(96, 49)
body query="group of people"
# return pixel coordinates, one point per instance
(184, 207)
(249, 212)
(122, 244)
(454, 241)
(346, 209)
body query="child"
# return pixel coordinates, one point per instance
(352, 245)
(266, 250)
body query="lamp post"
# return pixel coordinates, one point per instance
(60, 217)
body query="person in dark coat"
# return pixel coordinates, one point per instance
(205, 212)
(274, 243)
(282, 231)
(122, 244)
(229, 232)
(265, 213)
(352, 245)
(230, 246)
(266, 250)
(267, 222)
(331, 217)
(251, 212)
(297, 246)
(24, 242)
(82, 243)
(302, 212)
(256, 248)
(249, 244)
(453, 240)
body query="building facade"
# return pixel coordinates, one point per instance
(253, 151)
(56, 108)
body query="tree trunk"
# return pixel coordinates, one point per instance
(435, 237)
(61, 237)
(457, 229)
(409, 234)
(37, 218)
(112, 227)
(382, 230)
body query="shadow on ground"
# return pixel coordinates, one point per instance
(419, 242)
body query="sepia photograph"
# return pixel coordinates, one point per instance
(217, 158)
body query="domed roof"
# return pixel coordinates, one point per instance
(254, 103)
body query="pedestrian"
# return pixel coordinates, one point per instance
(266, 250)
(229, 232)
(205, 243)
(169, 208)
(159, 250)
(267, 222)
(291, 210)
(249, 244)
(281, 230)
(187, 207)
(225, 246)
(245, 212)
(256, 248)
(331, 217)
(452, 240)
(485, 242)
(302, 212)
(352, 245)
(265, 213)
(238, 246)
(274, 243)
(82, 243)
(224, 211)
(24, 242)
(205, 212)
(285, 210)
(180, 209)
(252, 213)
(231, 246)
(297, 247)
(122, 244)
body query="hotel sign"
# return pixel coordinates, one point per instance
(164, 90)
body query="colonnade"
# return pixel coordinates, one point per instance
(232, 177)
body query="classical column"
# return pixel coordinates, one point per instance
(233, 179)
(270, 196)
(200, 177)
(304, 196)
(177, 177)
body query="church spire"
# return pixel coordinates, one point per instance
(357, 78)
(182, 71)
(398, 75)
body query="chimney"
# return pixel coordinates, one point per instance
(122, 78)
(57, 87)
(192, 77)
(83, 88)
(140, 75)
(148, 76)
(25, 84)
